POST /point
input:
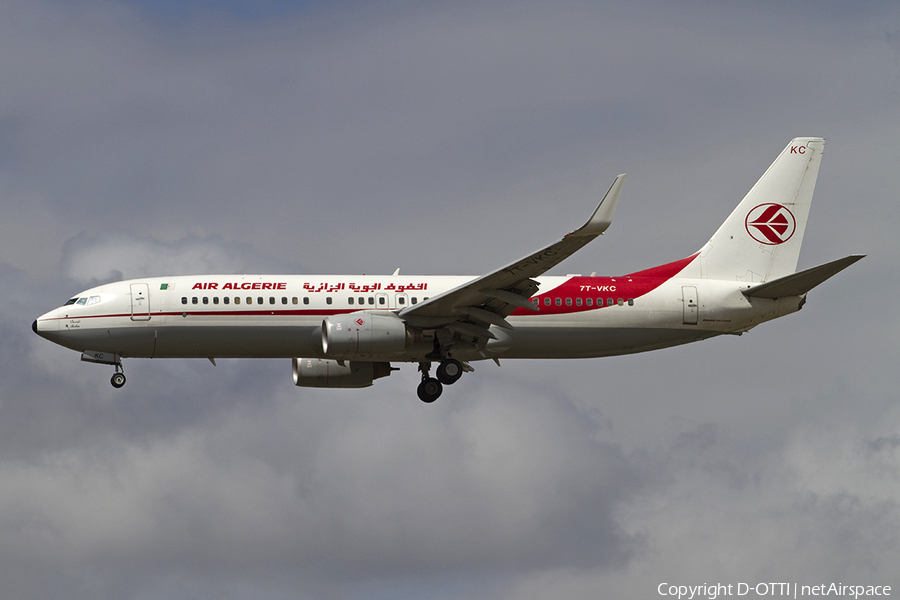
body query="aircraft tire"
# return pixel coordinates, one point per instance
(429, 390)
(449, 371)
(117, 380)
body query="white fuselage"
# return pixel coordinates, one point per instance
(271, 316)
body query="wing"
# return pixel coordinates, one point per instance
(473, 307)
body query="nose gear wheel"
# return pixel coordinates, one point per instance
(118, 378)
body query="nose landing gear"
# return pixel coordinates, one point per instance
(117, 380)
(107, 358)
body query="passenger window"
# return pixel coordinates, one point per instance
(371, 300)
(184, 299)
(381, 300)
(259, 300)
(271, 299)
(294, 300)
(328, 300)
(415, 300)
(401, 301)
(568, 302)
(362, 300)
(205, 300)
(559, 301)
(350, 300)
(589, 301)
(249, 300)
(578, 302)
(306, 300)
(226, 299)
(609, 302)
(194, 300)
(215, 299)
(546, 301)
(631, 302)
(620, 302)
(237, 299)
(284, 299)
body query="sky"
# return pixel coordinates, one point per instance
(142, 138)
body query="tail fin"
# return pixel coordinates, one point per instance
(761, 239)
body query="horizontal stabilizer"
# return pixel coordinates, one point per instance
(798, 284)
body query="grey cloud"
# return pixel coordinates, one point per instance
(113, 256)
(505, 483)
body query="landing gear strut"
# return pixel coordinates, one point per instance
(430, 389)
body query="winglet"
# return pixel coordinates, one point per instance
(603, 215)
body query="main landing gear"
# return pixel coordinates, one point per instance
(448, 373)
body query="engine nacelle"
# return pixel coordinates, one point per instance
(363, 335)
(327, 373)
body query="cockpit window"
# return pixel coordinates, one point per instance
(81, 302)
(70, 302)
(93, 300)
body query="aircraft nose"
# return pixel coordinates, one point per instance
(47, 326)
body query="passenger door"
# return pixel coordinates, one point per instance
(140, 302)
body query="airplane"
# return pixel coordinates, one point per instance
(344, 331)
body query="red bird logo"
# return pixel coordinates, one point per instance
(770, 224)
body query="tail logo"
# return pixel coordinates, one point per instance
(770, 224)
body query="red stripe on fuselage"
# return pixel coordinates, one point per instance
(600, 289)
(215, 313)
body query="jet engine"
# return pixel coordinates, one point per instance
(363, 335)
(327, 373)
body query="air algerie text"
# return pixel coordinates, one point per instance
(246, 285)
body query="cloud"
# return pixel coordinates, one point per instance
(490, 486)
(115, 256)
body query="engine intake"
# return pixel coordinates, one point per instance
(363, 335)
(327, 373)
